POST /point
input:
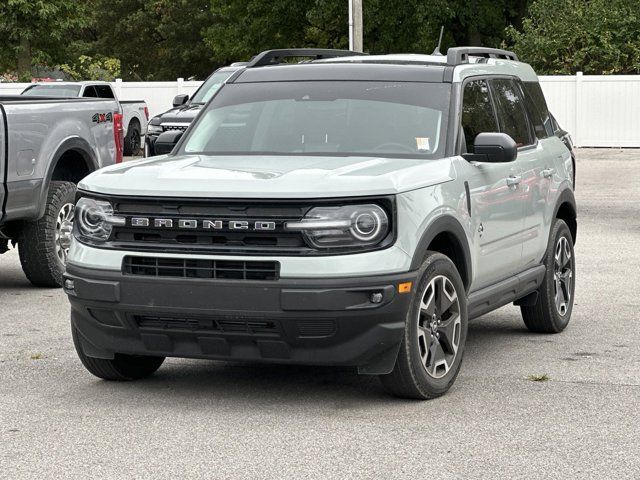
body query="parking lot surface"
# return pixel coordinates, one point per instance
(199, 419)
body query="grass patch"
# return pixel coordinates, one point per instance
(538, 378)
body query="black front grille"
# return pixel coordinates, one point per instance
(218, 324)
(204, 269)
(194, 226)
(181, 128)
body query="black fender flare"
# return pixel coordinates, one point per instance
(566, 196)
(445, 224)
(76, 144)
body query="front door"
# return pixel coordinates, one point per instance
(496, 205)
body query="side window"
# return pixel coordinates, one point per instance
(537, 108)
(477, 111)
(90, 92)
(104, 91)
(512, 117)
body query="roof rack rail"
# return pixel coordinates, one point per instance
(460, 55)
(274, 57)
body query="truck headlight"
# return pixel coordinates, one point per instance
(154, 129)
(344, 226)
(94, 219)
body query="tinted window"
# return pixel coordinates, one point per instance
(53, 90)
(477, 112)
(511, 114)
(537, 108)
(377, 119)
(211, 86)
(104, 91)
(90, 92)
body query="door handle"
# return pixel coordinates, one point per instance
(548, 172)
(514, 180)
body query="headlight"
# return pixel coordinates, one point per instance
(154, 129)
(94, 219)
(345, 226)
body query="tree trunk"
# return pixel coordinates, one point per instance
(24, 58)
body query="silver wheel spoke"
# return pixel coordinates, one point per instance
(563, 275)
(438, 326)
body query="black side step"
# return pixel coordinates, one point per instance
(504, 292)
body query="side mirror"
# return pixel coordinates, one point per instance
(180, 100)
(166, 141)
(492, 147)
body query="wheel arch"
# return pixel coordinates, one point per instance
(566, 210)
(73, 160)
(447, 236)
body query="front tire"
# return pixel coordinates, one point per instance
(132, 142)
(44, 244)
(435, 335)
(552, 310)
(121, 367)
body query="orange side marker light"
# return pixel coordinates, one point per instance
(405, 287)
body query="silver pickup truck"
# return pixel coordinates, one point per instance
(135, 113)
(47, 145)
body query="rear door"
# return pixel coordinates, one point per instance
(538, 174)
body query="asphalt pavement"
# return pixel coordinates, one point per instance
(199, 419)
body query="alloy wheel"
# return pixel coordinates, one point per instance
(439, 326)
(563, 275)
(64, 231)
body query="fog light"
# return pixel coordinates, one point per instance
(376, 297)
(69, 284)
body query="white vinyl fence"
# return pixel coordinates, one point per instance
(598, 110)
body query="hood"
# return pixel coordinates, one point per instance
(236, 176)
(182, 114)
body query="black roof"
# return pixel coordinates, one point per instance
(345, 72)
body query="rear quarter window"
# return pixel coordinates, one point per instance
(537, 109)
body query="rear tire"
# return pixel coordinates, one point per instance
(42, 255)
(552, 310)
(132, 141)
(121, 367)
(435, 334)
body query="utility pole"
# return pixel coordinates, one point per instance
(355, 25)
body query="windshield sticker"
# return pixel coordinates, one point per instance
(422, 143)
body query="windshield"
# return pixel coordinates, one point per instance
(210, 86)
(53, 90)
(403, 119)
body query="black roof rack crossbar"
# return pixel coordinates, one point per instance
(274, 57)
(460, 55)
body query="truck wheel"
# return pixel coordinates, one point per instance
(121, 368)
(132, 140)
(552, 310)
(44, 244)
(435, 333)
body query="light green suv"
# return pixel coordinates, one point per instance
(348, 210)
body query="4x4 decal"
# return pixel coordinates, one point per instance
(102, 117)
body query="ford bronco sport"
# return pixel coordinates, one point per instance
(346, 210)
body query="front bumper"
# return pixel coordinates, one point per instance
(150, 144)
(301, 321)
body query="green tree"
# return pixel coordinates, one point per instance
(240, 28)
(36, 32)
(153, 39)
(595, 36)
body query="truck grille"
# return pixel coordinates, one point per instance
(181, 128)
(183, 225)
(204, 269)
